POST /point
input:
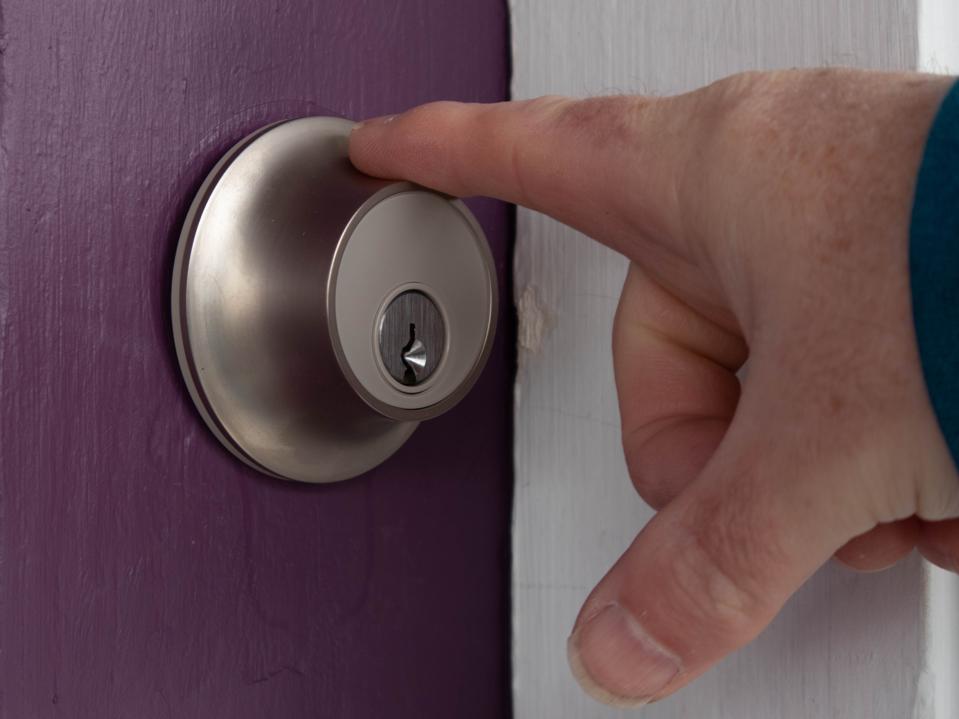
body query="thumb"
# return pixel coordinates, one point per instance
(711, 570)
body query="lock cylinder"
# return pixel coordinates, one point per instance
(320, 314)
(412, 339)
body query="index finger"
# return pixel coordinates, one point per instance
(607, 166)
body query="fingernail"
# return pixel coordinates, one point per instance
(617, 662)
(373, 121)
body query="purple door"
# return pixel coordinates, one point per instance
(144, 572)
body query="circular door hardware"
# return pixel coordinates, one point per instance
(320, 314)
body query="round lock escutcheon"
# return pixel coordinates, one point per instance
(320, 314)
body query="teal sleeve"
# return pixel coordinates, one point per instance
(934, 267)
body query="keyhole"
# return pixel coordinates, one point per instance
(412, 338)
(409, 376)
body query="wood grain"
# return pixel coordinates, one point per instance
(143, 571)
(847, 646)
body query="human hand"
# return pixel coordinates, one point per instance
(766, 217)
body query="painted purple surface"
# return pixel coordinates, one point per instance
(143, 571)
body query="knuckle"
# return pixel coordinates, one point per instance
(710, 593)
(607, 120)
(648, 478)
(786, 98)
(543, 114)
(798, 141)
(664, 455)
(724, 571)
(545, 105)
(430, 119)
(785, 119)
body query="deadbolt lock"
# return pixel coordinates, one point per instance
(320, 314)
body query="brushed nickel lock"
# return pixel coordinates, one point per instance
(320, 314)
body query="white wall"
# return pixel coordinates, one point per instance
(848, 646)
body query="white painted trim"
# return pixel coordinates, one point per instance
(942, 636)
(938, 42)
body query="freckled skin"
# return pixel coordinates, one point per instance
(766, 218)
